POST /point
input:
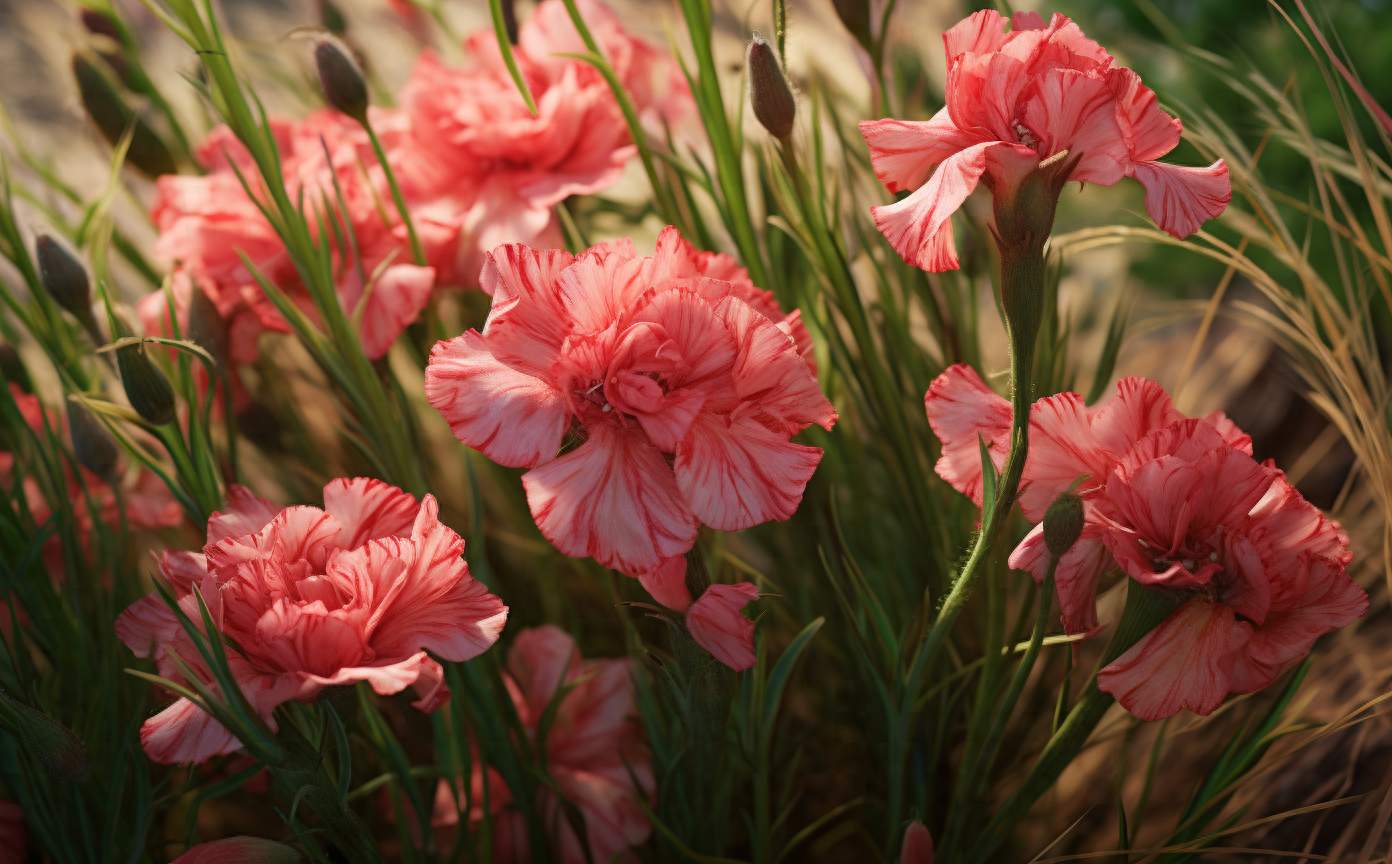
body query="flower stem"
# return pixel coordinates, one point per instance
(417, 253)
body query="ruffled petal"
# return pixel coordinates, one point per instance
(367, 509)
(146, 624)
(1074, 111)
(528, 321)
(1186, 662)
(615, 499)
(1325, 600)
(768, 371)
(1062, 449)
(717, 625)
(904, 152)
(1180, 199)
(511, 417)
(980, 33)
(396, 300)
(735, 473)
(962, 410)
(1075, 579)
(920, 227)
(185, 733)
(1148, 131)
(244, 514)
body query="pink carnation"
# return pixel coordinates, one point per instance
(357, 591)
(1181, 506)
(505, 168)
(594, 753)
(208, 222)
(673, 398)
(1013, 99)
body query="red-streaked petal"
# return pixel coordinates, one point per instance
(615, 499)
(1186, 662)
(184, 733)
(243, 514)
(768, 371)
(718, 626)
(1076, 577)
(667, 584)
(1062, 449)
(146, 624)
(962, 410)
(1180, 199)
(1148, 131)
(367, 509)
(1325, 600)
(735, 473)
(920, 227)
(510, 417)
(980, 33)
(1074, 111)
(397, 298)
(983, 92)
(904, 152)
(528, 321)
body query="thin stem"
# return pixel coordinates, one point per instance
(417, 253)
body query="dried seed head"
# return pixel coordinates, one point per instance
(1063, 523)
(63, 276)
(146, 387)
(58, 751)
(93, 446)
(342, 78)
(771, 96)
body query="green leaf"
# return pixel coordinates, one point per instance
(783, 669)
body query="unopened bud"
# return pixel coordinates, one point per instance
(242, 850)
(112, 116)
(769, 92)
(58, 751)
(64, 277)
(342, 78)
(207, 330)
(146, 387)
(93, 446)
(1063, 523)
(855, 14)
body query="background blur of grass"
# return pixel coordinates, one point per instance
(1192, 53)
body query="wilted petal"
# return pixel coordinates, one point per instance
(510, 417)
(615, 499)
(1180, 199)
(718, 626)
(1186, 662)
(963, 411)
(734, 472)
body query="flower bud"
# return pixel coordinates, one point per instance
(242, 850)
(112, 116)
(206, 329)
(146, 387)
(58, 751)
(342, 78)
(855, 14)
(1063, 523)
(93, 446)
(769, 92)
(64, 277)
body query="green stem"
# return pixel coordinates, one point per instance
(417, 253)
(1145, 609)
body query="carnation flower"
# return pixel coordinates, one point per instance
(1014, 99)
(207, 223)
(593, 748)
(1181, 506)
(644, 402)
(357, 591)
(505, 167)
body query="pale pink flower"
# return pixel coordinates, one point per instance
(1261, 574)
(717, 625)
(1068, 441)
(673, 398)
(1013, 99)
(918, 845)
(239, 850)
(208, 222)
(505, 168)
(357, 591)
(14, 837)
(594, 753)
